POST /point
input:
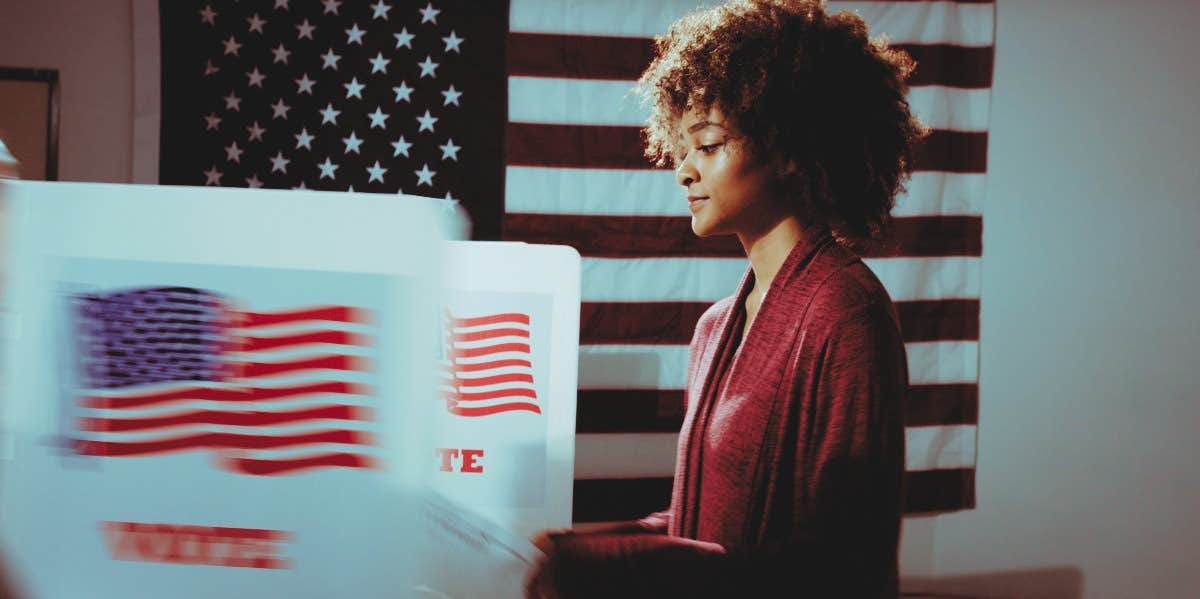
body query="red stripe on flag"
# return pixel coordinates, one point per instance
(490, 334)
(224, 394)
(509, 317)
(496, 409)
(218, 441)
(217, 417)
(475, 352)
(614, 499)
(276, 467)
(622, 147)
(513, 363)
(661, 410)
(333, 362)
(624, 58)
(282, 341)
(495, 380)
(326, 313)
(484, 395)
(672, 323)
(659, 236)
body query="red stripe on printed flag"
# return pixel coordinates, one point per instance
(219, 441)
(478, 321)
(216, 417)
(287, 341)
(325, 313)
(333, 362)
(263, 467)
(490, 334)
(244, 394)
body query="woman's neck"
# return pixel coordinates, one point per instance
(767, 249)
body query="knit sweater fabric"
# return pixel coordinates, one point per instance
(790, 468)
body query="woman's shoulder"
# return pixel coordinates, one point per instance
(848, 288)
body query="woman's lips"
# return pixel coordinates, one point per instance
(694, 202)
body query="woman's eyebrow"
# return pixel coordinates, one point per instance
(703, 124)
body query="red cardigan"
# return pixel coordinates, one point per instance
(789, 475)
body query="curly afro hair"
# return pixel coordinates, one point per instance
(802, 86)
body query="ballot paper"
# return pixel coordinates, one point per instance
(468, 555)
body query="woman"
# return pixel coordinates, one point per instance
(788, 128)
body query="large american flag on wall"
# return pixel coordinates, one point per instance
(522, 111)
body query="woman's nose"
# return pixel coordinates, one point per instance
(685, 173)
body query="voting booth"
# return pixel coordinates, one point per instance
(214, 392)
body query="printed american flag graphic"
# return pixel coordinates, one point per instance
(174, 369)
(486, 365)
(551, 153)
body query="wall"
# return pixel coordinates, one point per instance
(91, 45)
(1090, 339)
(1089, 375)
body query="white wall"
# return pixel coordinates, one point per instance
(1089, 460)
(1090, 362)
(91, 44)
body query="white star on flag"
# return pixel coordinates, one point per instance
(252, 182)
(232, 102)
(453, 42)
(327, 169)
(379, 63)
(429, 14)
(232, 46)
(208, 15)
(331, 6)
(401, 147)
(304, 30)
(281, 54)
(381, 10)
(282, 4)
(425, 176)
(279, 163)
(210, 68)
(354, 89)
(256, 78)
(428, 67)
(352, 143)
(212, 121)
(404, 38)
(301, 186)
(426, 121)
(378, 119)
(449, 150)
(306, 85)
(280, 110)
(330, 59)
(354, 35)
(256, 132)
(376, 172)
(233, 153)
(256, 24)
(403, 92)
(329, 115)
(304, 139)
(452, 95)
(212, 176)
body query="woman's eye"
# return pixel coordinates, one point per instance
(710, 148)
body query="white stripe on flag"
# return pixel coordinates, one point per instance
(617, 455)
(619, 192)
(905, 22)
(606, 102)
(665, 366)
(710, 279)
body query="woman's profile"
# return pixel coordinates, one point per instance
(789, 128)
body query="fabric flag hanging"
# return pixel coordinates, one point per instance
(522, 110)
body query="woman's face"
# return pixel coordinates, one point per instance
(728, 190)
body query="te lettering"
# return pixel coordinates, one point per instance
(467, 459)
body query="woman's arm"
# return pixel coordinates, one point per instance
(844, 538)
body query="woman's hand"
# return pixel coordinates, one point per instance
(539, 582)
